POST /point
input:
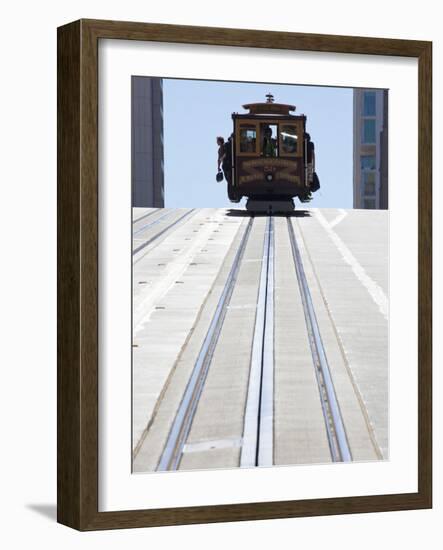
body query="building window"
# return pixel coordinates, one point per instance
(369, 183)
(368, 131)
(369, 203)
(367, 162)
(369, 104)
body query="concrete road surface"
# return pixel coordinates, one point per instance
(181, 264)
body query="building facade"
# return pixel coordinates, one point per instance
(370, 149)
(147, 142)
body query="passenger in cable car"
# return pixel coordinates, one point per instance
(221, 151)
(314, 182)
(224, 161)
(227, 159)
(269, 148)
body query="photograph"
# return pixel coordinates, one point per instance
(260, 274)
(244, 322)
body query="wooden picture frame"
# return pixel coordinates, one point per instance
(77, 480)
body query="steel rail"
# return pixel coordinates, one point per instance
(154, 222)
(160, 233)
(145, 216)
(181, 426)
(257, 448)
(336, 433)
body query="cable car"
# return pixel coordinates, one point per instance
(272, 157)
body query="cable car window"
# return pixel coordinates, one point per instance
(248, 138)
(269, 140)
(289, 139)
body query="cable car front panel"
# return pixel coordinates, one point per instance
(269, 156)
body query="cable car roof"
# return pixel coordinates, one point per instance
(269, 107)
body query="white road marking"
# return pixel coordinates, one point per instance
(212, 444)
(243, 306)
(156, 292)
(374, 290)
(339, 218)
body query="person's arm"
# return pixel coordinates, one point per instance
(220, 158)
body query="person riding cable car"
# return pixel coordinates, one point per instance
(224, 158)
(314, 182)
(269, 148)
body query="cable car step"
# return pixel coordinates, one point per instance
(273, 207)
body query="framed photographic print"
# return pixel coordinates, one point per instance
(244, 274)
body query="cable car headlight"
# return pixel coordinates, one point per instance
(269, 177)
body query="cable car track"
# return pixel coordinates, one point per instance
(258, 431)
(181, 426)
(257, 448)
(154, 211)
(336, 433)
(162, 231)
(154, 222)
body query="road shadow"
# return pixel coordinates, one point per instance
(48, 511)
(237, 213)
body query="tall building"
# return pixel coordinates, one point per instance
(147, 142)
(370, 149)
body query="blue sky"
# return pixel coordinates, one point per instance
(195, 112)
